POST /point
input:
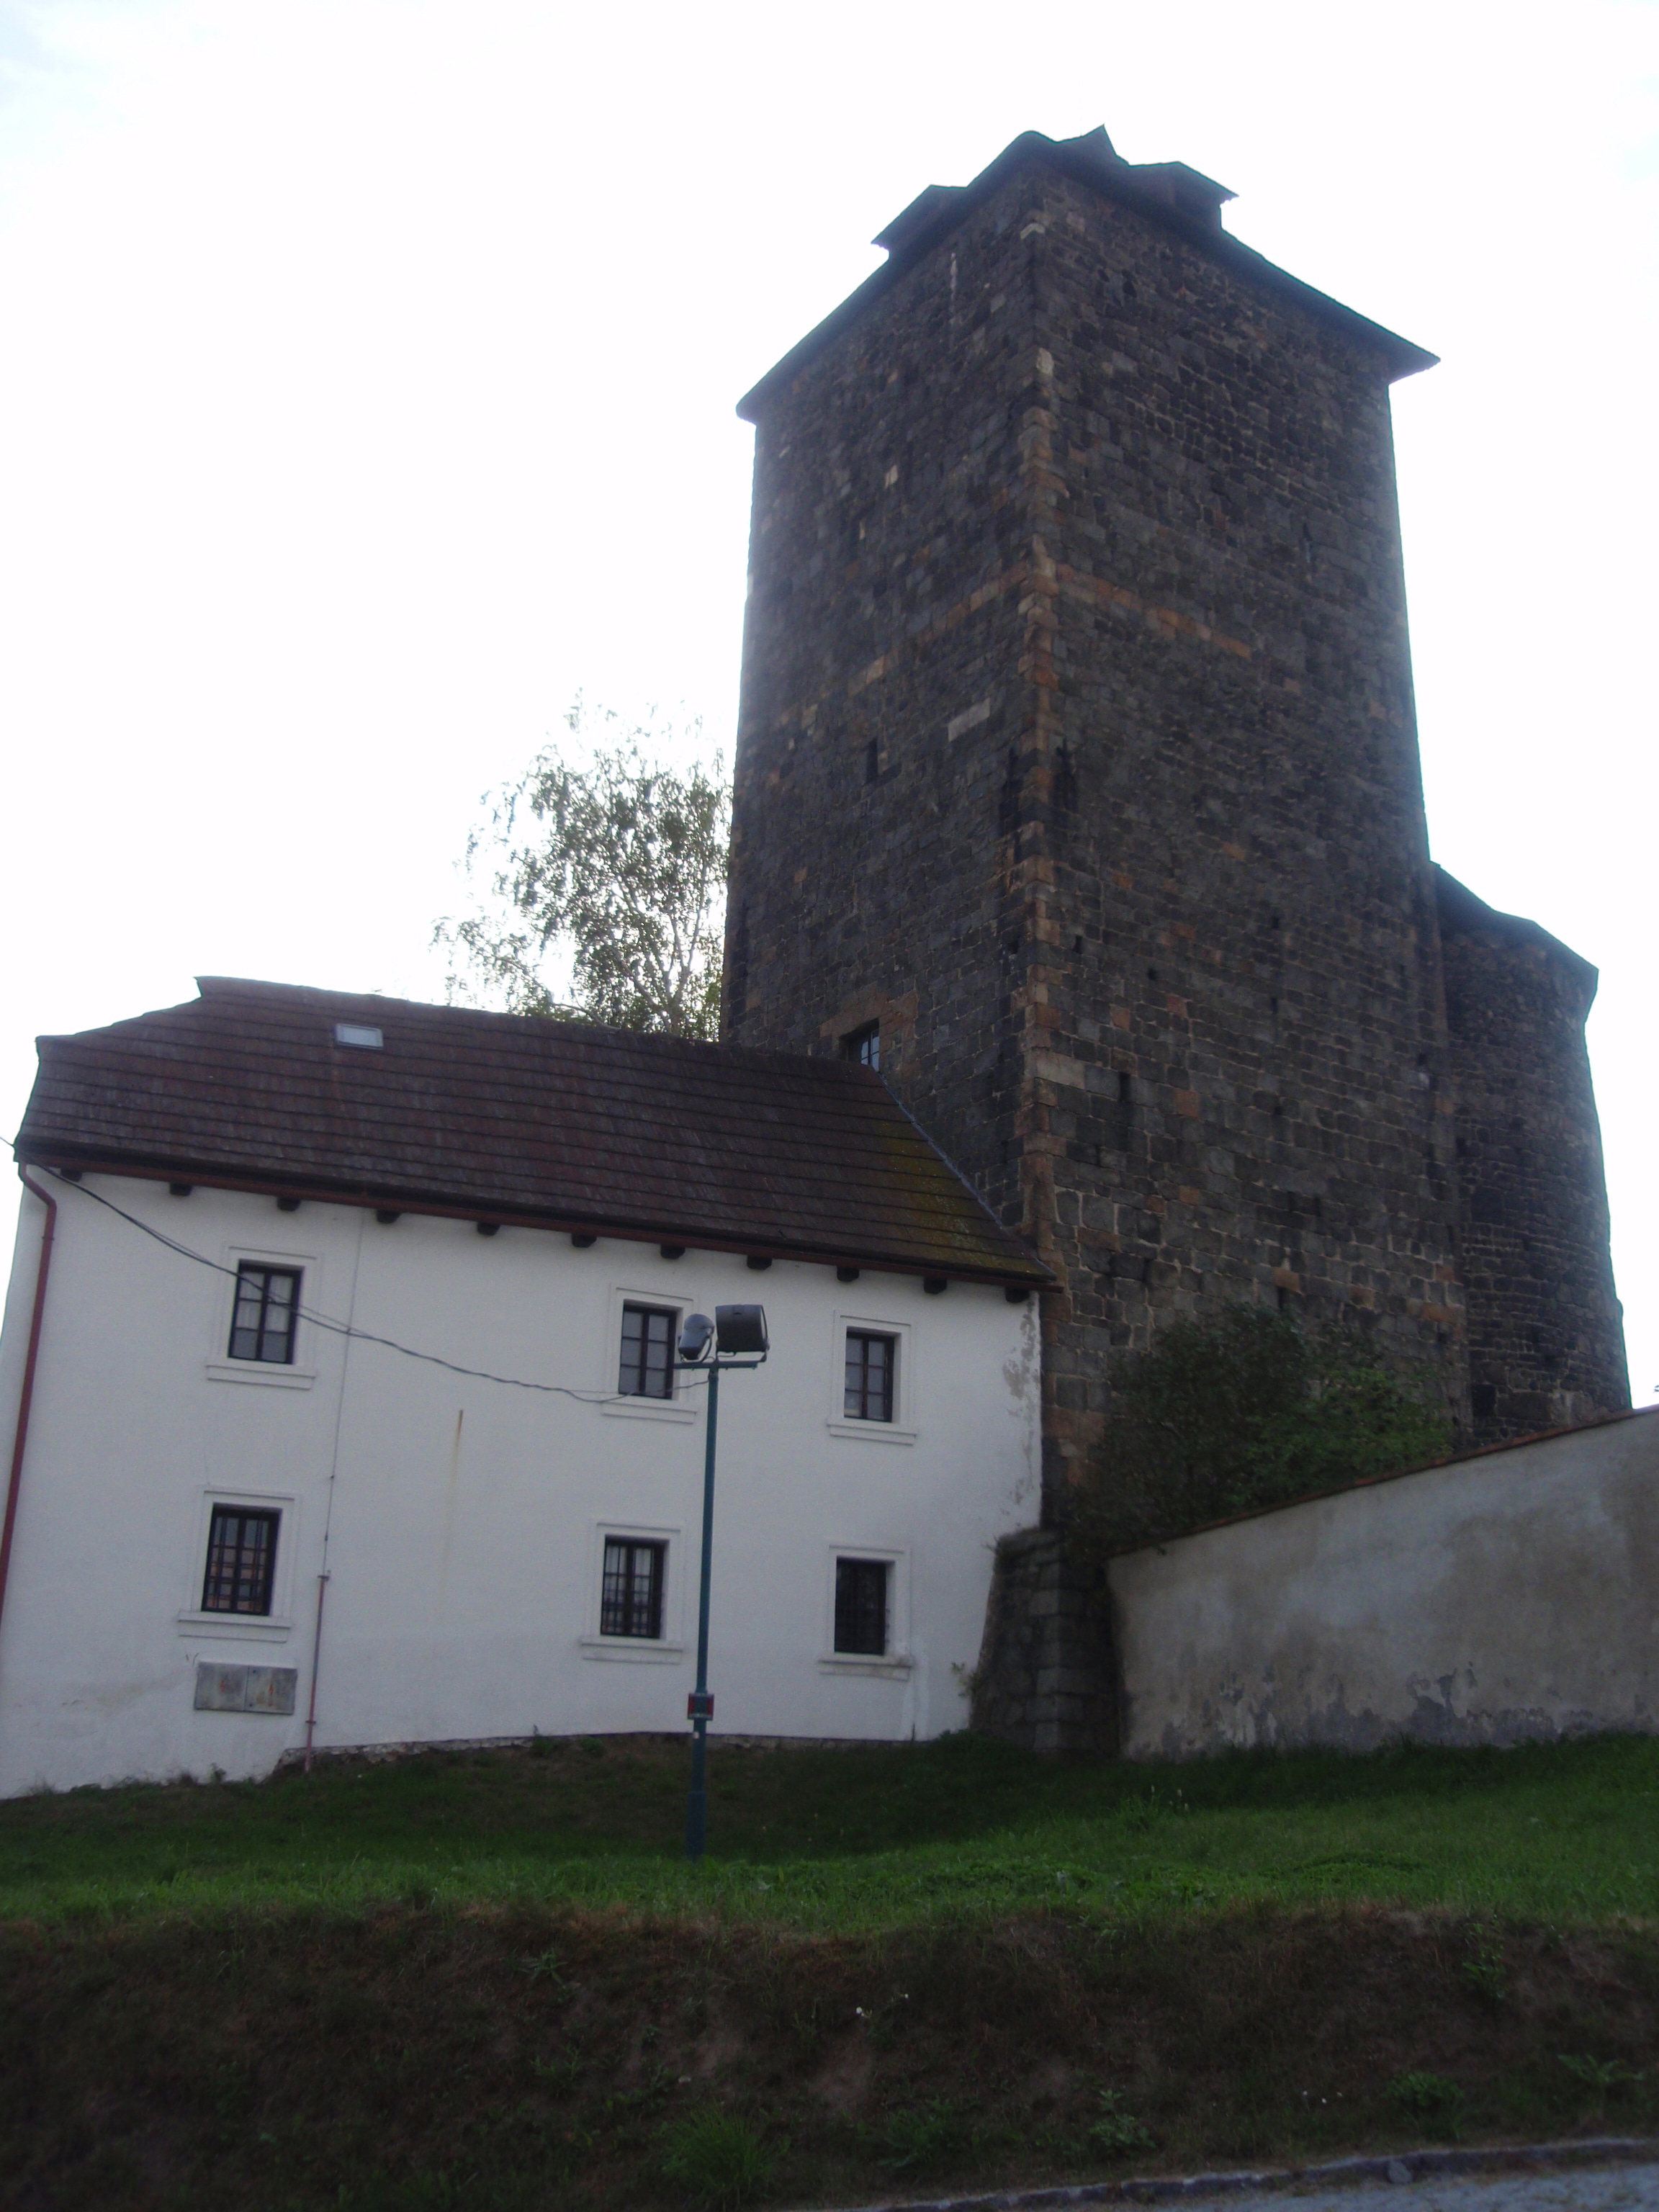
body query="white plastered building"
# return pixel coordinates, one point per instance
(340, 1414)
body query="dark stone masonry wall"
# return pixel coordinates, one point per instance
(1546, 1328)
(1077, 749)
(1244, 952)
(1044, 1679)
(877, 780)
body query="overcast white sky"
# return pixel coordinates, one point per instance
(367, 389)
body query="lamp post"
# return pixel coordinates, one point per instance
(735, 1331)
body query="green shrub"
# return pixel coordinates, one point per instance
(1602, 2077)
(1483, 1970)
(1223, 1416)
(924, 2137)
(1117, 2131)
(1430, 2099)
(718, 2157)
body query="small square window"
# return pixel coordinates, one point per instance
(630, 1601)
(872, 1360)
(864, 1046)
(647, 1351)
(241, 1561)
(267, 1307)
(862, 1606)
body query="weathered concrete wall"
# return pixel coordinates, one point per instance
(1511, 1594)
(1042, 1681)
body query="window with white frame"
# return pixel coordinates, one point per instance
(866, 1612)
(238, 1582)
(634, 1607)
(646, 1367)
(873, 1379)
(260, 1333)
(871, 1364)
(863, 1625)
(241, 1560)
(631, 1596)
(263, 1318)
(636, 1350)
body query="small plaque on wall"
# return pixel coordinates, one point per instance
(245, 1689)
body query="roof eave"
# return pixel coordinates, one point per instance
(1404, 358)
(1028, 1274)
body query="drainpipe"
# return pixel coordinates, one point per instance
(316, 1655)
(23, 1431)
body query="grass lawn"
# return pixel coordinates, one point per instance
(487, 1979)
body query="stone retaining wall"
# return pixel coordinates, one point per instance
(1043, 1678)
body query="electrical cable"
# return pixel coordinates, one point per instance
(343, 1329)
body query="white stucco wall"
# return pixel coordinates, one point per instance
(1510, 1595)
(465, 1519)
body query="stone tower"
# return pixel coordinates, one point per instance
(1077, 778)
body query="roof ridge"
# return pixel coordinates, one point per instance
(312, 995)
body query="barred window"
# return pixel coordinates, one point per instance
(862, 1606)
(871, 1361)
(630, 1601)
(241, 1561)
(647, 1351)
(267, 1306)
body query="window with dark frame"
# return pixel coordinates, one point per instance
(630, 1600)
(864, 1046)
(871, 1362)
(647, 1351)
(267, 1307)
(862, 1606)
(241, 1560)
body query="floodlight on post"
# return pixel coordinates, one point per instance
(738, 1339)
(740, 1331)
(693, 1339)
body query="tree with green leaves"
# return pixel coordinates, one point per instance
(615, 872)
(1244, 1410)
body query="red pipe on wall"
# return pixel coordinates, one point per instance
(20, 1438)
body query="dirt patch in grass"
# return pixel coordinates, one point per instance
(414, 2058)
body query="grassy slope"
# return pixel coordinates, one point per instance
(488, 1980)
(846, 1839)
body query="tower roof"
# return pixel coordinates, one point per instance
(1169, 193)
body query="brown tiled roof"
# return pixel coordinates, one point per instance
(513, 1119)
